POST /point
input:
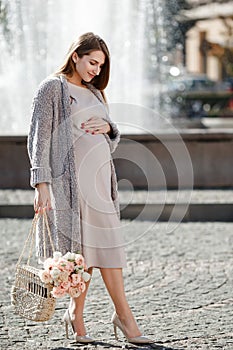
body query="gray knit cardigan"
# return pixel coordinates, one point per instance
(50, 149)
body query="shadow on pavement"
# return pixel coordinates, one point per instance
(118, 346)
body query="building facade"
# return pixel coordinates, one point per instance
(209, 42)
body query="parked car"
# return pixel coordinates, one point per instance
(229, 83)
(229, 86)
(192, 83)
(196, 96)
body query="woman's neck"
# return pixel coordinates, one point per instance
(76, 80)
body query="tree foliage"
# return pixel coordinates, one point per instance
(4, 23)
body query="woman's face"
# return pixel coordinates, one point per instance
(90, 65)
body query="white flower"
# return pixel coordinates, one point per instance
(78, 269)
(86, 276)
(69, 256)
(57, 255)
(55, 272)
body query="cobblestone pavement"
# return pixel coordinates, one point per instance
(179, 285)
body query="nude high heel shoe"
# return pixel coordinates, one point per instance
(78, 338)
(135, 340)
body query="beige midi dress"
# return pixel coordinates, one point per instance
(101, 232)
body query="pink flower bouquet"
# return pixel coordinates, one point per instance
(66, 273)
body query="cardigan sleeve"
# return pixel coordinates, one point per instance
(113, 137)
(39, 136)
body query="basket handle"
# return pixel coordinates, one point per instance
(46, 224)
(31, 237)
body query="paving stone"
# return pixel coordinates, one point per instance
(179, 285)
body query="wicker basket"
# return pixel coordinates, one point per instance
(31, 297)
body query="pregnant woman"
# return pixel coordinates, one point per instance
(70, 142)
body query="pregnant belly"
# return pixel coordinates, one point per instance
(92, 148)
(93, 169)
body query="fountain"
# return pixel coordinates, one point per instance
(145, 46)
(35, 35)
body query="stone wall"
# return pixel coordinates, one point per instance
(140, 158)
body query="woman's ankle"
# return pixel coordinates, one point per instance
(129, 323)
(75, 314)
(77, 322)
(124, 314)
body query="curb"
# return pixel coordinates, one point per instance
(194, 212)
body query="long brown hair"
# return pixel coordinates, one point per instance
(85, 44)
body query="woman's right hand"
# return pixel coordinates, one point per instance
(42, 198)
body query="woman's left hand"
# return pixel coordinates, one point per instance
(96, 125)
